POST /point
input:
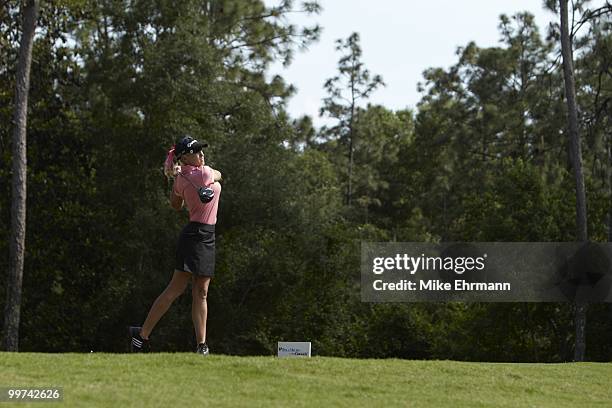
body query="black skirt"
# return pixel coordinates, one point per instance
(195, 252)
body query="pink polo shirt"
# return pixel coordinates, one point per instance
(206, 213)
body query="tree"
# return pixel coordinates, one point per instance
(576, 155)
(383, 136)
(572, 116)
(495, 103)
(18, 206)
(594, 93)
(355, 80)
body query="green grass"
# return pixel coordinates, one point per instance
(121, 380)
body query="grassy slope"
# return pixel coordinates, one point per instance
(170, 379)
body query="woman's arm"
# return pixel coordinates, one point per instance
(217, 175)
(176, 201)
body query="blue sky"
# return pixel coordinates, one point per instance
(399, 40)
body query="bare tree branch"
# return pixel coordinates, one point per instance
(590, 15)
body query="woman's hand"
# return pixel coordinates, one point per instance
(173, 171)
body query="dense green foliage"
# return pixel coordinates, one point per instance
(483, 157)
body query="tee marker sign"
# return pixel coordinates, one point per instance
(294, 349)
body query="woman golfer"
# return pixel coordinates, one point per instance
(196, 186)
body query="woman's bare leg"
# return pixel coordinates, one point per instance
(161, 305)
(199, 306)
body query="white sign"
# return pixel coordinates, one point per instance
(294, 349)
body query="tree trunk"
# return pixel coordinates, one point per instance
(576, 155)
(609, 183)
(609, 190)
(18, 205)
(349, 191)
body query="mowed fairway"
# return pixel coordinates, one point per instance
(160, 379)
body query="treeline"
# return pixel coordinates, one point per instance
(483, 157)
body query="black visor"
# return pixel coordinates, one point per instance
(188, 145)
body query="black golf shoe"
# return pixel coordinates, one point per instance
(138, 344)
(202, 349)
